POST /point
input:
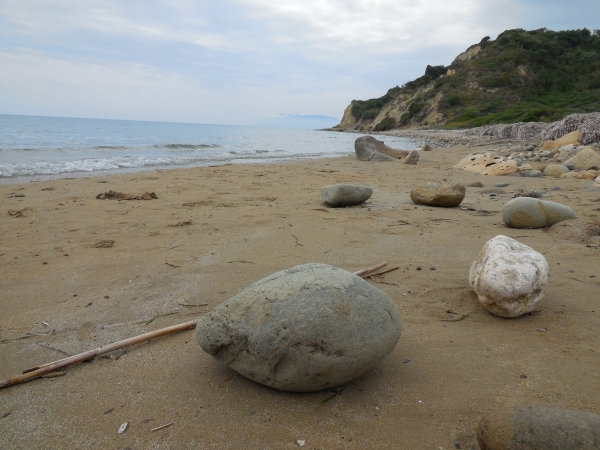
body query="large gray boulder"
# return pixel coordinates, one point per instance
(303, 329)
(433, 194)
(337, 195)
(526, 212)
(368, 148)
(587, 158)
(539, 428)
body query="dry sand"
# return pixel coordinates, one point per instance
(215, 230)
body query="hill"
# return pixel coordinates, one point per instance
(522, 76)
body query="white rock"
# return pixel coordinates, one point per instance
(509, 278)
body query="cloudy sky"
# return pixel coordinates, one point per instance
(240, 61)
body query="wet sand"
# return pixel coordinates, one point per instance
(213, 231)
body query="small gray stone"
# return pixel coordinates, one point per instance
(555, 170)
(445, 196)
(526, 212)
(475, 184)
(501, 185)
(539, 428)
(303, 329)
(533, 174)
(570, 166)
(337, 195)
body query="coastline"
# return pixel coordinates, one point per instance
(213, 231)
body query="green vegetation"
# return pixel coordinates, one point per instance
(522, 76)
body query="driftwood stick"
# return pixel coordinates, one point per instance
(379, 273)
(37, 372)
(363, 272)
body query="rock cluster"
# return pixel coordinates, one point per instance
(303, 329)
(337, 195)
(509, 277)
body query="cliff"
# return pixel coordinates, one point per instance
(522, 76)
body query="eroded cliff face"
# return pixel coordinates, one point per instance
(508, 80)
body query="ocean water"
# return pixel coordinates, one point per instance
(35, 148)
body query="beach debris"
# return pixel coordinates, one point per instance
(39, 371)
(539, 427)
(307, 328)
(19, 212)
(12, 195)
(123, 427)
(301, 442)
(526, 212)
(183, 223)
(113, 195)
(434, 194)
(162, 426)
(367, 148)
(297, 244)
(107, 243)
(339, 195)
(509, 277)
(46, 329)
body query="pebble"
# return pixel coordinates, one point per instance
(509, 277)
(304, 329)
(493, 190)
(501, 185)
(533, 174)
(475, 184)
(339, 195)
(539, 428)
(527, 212)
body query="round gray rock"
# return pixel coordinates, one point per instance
(527, 212)
(431, 195)
(337, 195)
(303, 329)
(539, 428)
(493, 190)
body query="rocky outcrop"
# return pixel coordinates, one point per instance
(368, 148)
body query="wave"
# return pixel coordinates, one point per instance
(186, 146)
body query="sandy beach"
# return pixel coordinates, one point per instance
(211, 232)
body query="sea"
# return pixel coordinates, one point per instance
(42, 148)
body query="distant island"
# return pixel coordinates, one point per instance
(298, 121)
(522, 76)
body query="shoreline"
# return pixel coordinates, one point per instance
(213, 231)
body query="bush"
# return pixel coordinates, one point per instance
(453, 100)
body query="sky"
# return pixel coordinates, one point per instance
(240, 62)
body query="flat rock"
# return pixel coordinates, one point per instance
(475, 184)
(493, 190)
(509, 277)
(526, 212)
(488, 164)
(433, 195)
(584, 175)
(567, 139)
(501, 185)
(555, 170)
(368, 148)
(539, 428)
(338, 195)
(303, 329)
(586, 159)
